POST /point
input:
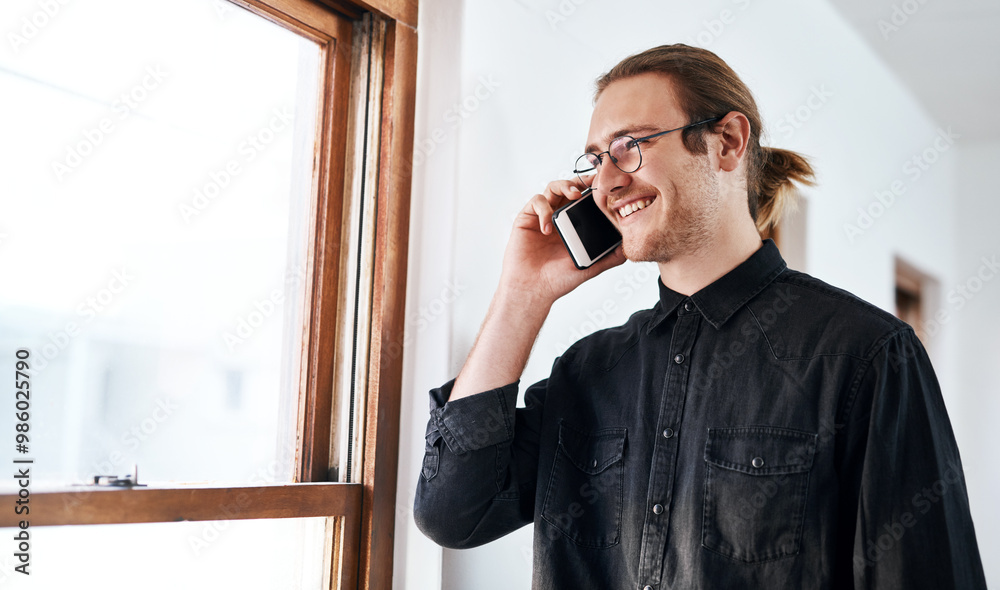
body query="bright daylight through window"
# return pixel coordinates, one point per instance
(153, 211)
(157, 188)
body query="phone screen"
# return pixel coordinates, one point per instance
(596, 231)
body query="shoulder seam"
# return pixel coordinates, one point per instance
(842, 295)
(863, 368)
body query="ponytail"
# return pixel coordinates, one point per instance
(773, 195)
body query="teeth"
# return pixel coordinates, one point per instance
(633, 207)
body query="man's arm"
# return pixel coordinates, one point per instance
(904, 493)
(481, 455)
(537, 270)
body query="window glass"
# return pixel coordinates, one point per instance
(157, 180)
(285, 554)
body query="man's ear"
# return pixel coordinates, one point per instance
(733, 140)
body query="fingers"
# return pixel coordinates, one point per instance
(556, 194)
(561, 190)
(586, 182)
(541, 210)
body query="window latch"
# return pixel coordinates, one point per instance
(126, 481)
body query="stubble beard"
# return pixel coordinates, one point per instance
(694, 208)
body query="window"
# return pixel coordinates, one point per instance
(207, 211)
(915, 293)
(908, 300)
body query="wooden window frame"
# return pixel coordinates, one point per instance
(360, 515)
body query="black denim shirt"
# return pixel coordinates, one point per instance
(769, 431)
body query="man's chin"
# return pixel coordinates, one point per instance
(643, 251)
(636, 252)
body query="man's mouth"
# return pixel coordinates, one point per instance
(634, 206)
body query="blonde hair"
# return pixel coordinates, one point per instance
(707, 87)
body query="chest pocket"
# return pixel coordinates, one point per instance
(583, 499)
(756, 484)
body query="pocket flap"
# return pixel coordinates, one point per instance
(761, 450)
(595, 452)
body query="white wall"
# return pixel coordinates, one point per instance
(430, 285)
(524, 71)
(977, 347)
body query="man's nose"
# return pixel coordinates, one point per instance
(610, 180)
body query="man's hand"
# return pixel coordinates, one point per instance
(536, 263)
(537, 270)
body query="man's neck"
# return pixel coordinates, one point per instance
(691, 272)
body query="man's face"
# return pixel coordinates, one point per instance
(678, 191)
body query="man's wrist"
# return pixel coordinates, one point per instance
(523, 301)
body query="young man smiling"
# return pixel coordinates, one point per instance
(757, 428)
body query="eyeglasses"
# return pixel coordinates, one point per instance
(624, 152)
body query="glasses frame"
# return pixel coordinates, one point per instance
(634, 142)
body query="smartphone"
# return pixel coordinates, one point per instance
(588, 234)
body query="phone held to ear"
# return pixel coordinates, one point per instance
(588, 234)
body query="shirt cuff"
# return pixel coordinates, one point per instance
(474, 422)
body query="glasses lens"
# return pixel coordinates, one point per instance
(624, 153)
(586, 167)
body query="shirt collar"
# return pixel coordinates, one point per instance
(718, 301)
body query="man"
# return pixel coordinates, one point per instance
(757, 428)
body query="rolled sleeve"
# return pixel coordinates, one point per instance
(474, 422)
(477, 476)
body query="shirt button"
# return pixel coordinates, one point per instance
(757, 462)
(688, 306)
(594, 464)
(679, 359)
(657, 508)
(668, 433)
(647, 587)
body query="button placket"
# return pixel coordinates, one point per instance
(664, 459)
